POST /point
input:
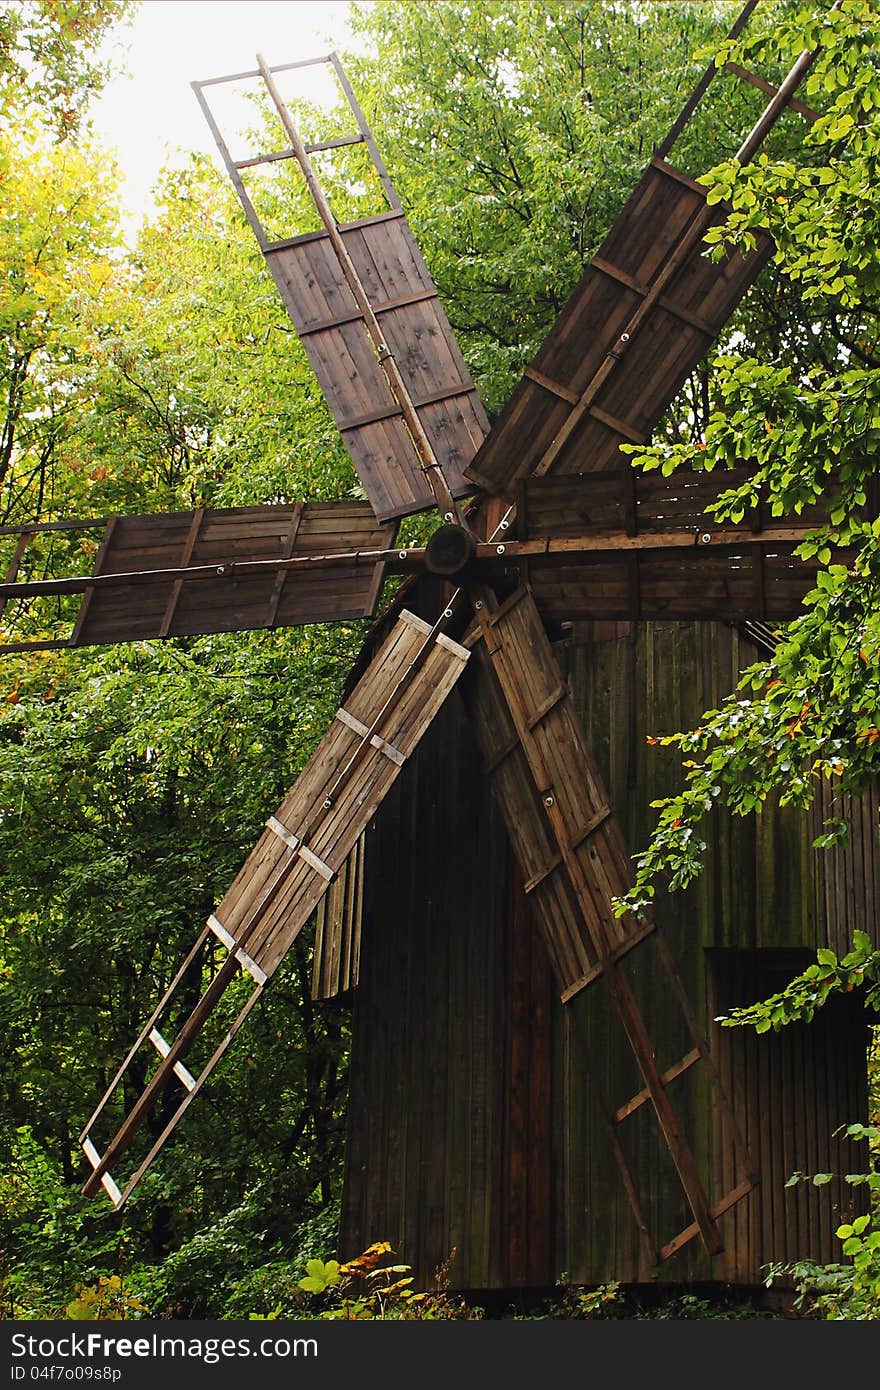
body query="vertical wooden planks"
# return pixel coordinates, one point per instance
(432, 995)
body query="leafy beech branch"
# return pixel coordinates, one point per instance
(811, 437)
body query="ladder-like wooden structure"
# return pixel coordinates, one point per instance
(304, 846)
(370, 319)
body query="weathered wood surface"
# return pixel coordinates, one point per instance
(557, 812)
(763, 582)
(630, 501)
(135, 610)
(305, 845)
(654, 359)
(426, 1153)
(417, 332)
(336, 955)
(375, 332)
(848, 888)
(307, 842)
(542, 773)
(436, 859)
(795, 1090)
(659, 555)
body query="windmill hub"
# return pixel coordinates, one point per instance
(450, 549)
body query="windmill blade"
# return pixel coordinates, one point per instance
(643, 315)
(606, 545)
(625, 544)
(369, 317)
(297, 858)
(179, 574)
(574, 864)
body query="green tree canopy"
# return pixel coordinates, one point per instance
(810, 432)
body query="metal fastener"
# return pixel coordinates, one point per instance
(706, 538)
(500, 550)
(624, 337)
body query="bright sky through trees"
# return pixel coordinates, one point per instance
(148, 111)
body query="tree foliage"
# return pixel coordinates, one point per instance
(48, 58)
(516, 132)
(810, 434)
(133, 781)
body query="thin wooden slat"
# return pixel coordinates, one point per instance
(281, 577)
(76, 636)
(703, 85)
(180, 1071)
(107, 1182)
(335, 967)
(12, 570)
(643, 1096)
(198, 517)
(756, 80)
(239, 952)
(359, 728)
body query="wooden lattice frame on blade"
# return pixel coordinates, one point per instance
(585, 536)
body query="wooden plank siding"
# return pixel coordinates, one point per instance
(226, 602)
(432, 993)
(848, 890)
(654, 360)
(435, 992)
(813, 1077)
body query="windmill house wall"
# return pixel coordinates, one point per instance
(473, 1120)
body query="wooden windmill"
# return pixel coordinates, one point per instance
(560, 530)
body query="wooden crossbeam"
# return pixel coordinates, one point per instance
(107, 1182)
(763, 85)
(360, 728)
(89, 589)
(281, 576)
(180, 1071)
(24, 541)
(188, 548)
(641, 1097)
(239, 952)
